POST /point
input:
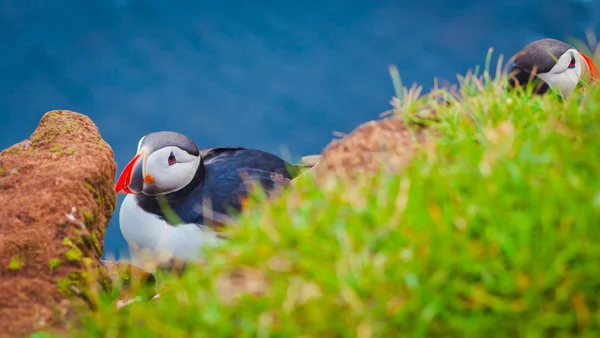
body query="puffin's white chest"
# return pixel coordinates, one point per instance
(152, 239)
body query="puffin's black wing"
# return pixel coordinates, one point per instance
(270, 182)
(231, 159)
(229, 195)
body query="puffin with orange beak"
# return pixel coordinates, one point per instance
(198, 185)
(552, 64)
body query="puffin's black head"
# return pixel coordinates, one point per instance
(551, 64)
(165, 162)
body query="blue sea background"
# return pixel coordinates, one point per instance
(271, 75)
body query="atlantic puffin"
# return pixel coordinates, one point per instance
(553, 64)
(202, 186)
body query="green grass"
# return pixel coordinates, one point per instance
(492, 232)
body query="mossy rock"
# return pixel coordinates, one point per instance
(57, 197)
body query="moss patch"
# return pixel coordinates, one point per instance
(74, 253)
(15, 263)
(54, 263)
(88, 218)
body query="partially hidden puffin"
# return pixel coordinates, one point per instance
(558, 65)
(200, 186)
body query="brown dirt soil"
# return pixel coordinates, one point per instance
(57, 197)
(386, 144)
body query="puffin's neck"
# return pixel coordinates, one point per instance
(150, 203)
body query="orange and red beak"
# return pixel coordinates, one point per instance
(591, 67)
(131, 180)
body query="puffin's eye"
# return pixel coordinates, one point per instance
(172, 159)
(572, 63)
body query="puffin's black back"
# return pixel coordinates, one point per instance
(229, 158)
(218, 179)
(542, 54)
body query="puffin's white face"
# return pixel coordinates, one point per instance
(164, 162)
(565, 75)
(170, 169)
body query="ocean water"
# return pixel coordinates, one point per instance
(273, 75)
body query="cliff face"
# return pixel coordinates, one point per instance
(56, 199)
